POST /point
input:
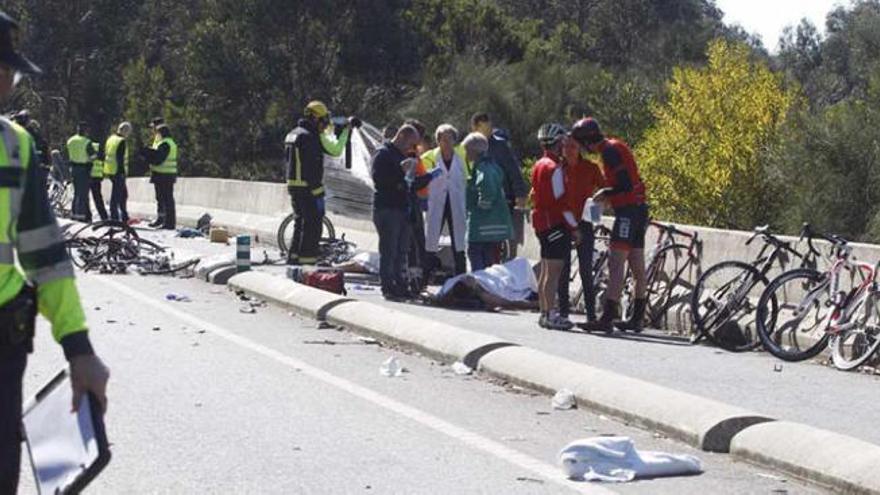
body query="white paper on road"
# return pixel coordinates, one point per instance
(616, 459)
(513, 281)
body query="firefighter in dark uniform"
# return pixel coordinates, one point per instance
(305, 147)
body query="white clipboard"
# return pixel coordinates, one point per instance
(67, 450)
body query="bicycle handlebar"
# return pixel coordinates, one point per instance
(672, 229)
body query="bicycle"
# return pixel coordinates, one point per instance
(725, 294)
(599, 270)
(58, 188)
(667, 262)
(284, 236)
(110, 246)
(830, 313)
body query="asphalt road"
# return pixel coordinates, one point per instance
(807, 392)
(207, 399)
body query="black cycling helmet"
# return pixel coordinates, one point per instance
(550, 134)
(587, 131)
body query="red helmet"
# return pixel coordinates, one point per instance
(587, 131)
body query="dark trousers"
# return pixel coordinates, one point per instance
(482, 255)
(416, 256)
(98, 197)
(12, 363)
(585, 267)
(82, 177)
(166, 210)
(518, 219)
(393, 228)
(119, 198)
(306, 227)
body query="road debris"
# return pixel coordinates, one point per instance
(391, 368)
(461, 369)
(248, 309)
(177, 297)
(156, 329)
(616, 459)
(772, 477)
(526, 479)
(563, 400)
(777, 367)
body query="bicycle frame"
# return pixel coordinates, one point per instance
(841, 316)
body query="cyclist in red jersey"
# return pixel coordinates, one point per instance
(582, 179)
(553, 221)
(625, 192)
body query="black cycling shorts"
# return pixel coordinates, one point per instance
(555, 244)
(630, 226)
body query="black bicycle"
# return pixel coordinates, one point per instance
(724, 301)
(599, 270)
(675, 254)
(284, 237)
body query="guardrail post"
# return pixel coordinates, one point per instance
(243, 253)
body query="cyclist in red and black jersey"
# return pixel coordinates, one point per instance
(554, 223)
(625, 192)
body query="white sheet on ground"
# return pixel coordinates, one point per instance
(369, 260)
(512, 281)
(615, 459)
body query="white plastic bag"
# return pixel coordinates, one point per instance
(391, 367)
(564, 400)
(592, 212)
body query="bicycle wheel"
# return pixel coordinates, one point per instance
(663, 276)
(600, 282)
(851, 348)
(797, 331)
(723, 305)
(284, 236)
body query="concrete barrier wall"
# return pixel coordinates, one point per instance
(271, 200)
(258, 208)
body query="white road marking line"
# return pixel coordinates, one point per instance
(474, 440)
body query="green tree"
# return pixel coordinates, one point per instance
(829, 163)
(702, 159)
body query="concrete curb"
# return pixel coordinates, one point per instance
(837, 461)
(700, 422)
(707, 424)
(826, 458)
(433, 338)
(305, 300)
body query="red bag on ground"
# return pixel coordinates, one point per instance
(329, 280)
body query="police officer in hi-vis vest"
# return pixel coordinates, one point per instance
(81, 155)
(162, 158)
(44, 282)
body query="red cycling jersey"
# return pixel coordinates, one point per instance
(621, 174)
(549, 207)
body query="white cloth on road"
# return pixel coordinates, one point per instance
(512, 281)
(615, 459)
